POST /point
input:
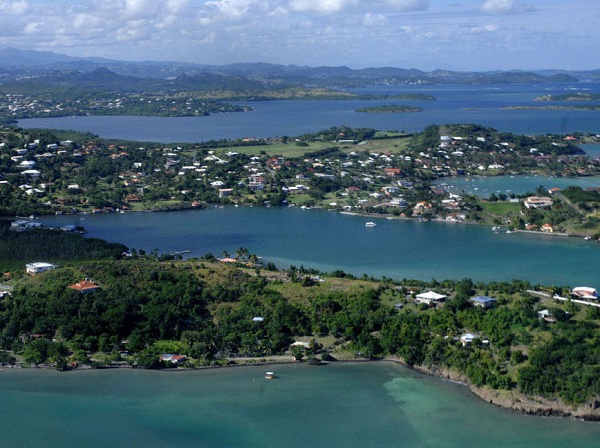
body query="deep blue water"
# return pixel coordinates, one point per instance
(454, 104)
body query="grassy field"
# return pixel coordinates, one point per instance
(501, 209)
(294, 150)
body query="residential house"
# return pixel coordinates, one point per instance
(85, 286)
(547, 316)
(225, 192)
(584, 293)
(430, 297)
(467, 339)
(173, 359)
(538, 202)
(483, 301)
(36, 268)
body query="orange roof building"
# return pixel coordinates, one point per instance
(85, 286)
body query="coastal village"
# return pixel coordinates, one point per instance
(348, 170)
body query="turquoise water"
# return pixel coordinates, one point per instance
(454, 104)
(350, 405)
(329, 240)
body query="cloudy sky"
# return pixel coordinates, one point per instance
(422, 34)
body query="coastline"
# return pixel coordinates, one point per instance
(509, 400)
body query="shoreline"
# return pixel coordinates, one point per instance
(508, 400)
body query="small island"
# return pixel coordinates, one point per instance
(389, 109)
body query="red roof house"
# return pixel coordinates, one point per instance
(84, 286)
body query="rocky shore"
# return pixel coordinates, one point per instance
(515, 401)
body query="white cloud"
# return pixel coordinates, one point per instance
(497, 6)
(14, 8)
(505, 7)
(233, 8)
(321, 6)
(374, 19)
(408, 5)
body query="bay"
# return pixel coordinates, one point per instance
(350, 405)
(366, 405)
(329, 241)
(454, 104)
(484, 186)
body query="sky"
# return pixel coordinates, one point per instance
(464, 35)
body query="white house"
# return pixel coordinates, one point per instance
(585, 293)
(430, 297)
(467, 339)
(36, 268)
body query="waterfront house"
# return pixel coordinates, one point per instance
(547, 228)
(225, 192)
(584, 293)
(173, 359)
(483, 301)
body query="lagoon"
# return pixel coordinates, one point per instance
(455, 104)
(329, 241)
(362, 405)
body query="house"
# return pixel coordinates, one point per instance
(538, 202)
(547, 228)
(84, 286)
(173, 359)
(421, 207)
(225, 192)
(547, 316)
(36, 268)
(483, 301)
(467, 339)
(430, 297)
(584, 293)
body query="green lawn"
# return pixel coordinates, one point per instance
(501, 208)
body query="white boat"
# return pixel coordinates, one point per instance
(269, 375)
(370, 224)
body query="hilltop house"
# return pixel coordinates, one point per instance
(36, 268)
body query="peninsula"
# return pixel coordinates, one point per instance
(101, 305)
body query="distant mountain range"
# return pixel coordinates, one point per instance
(53, 68)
